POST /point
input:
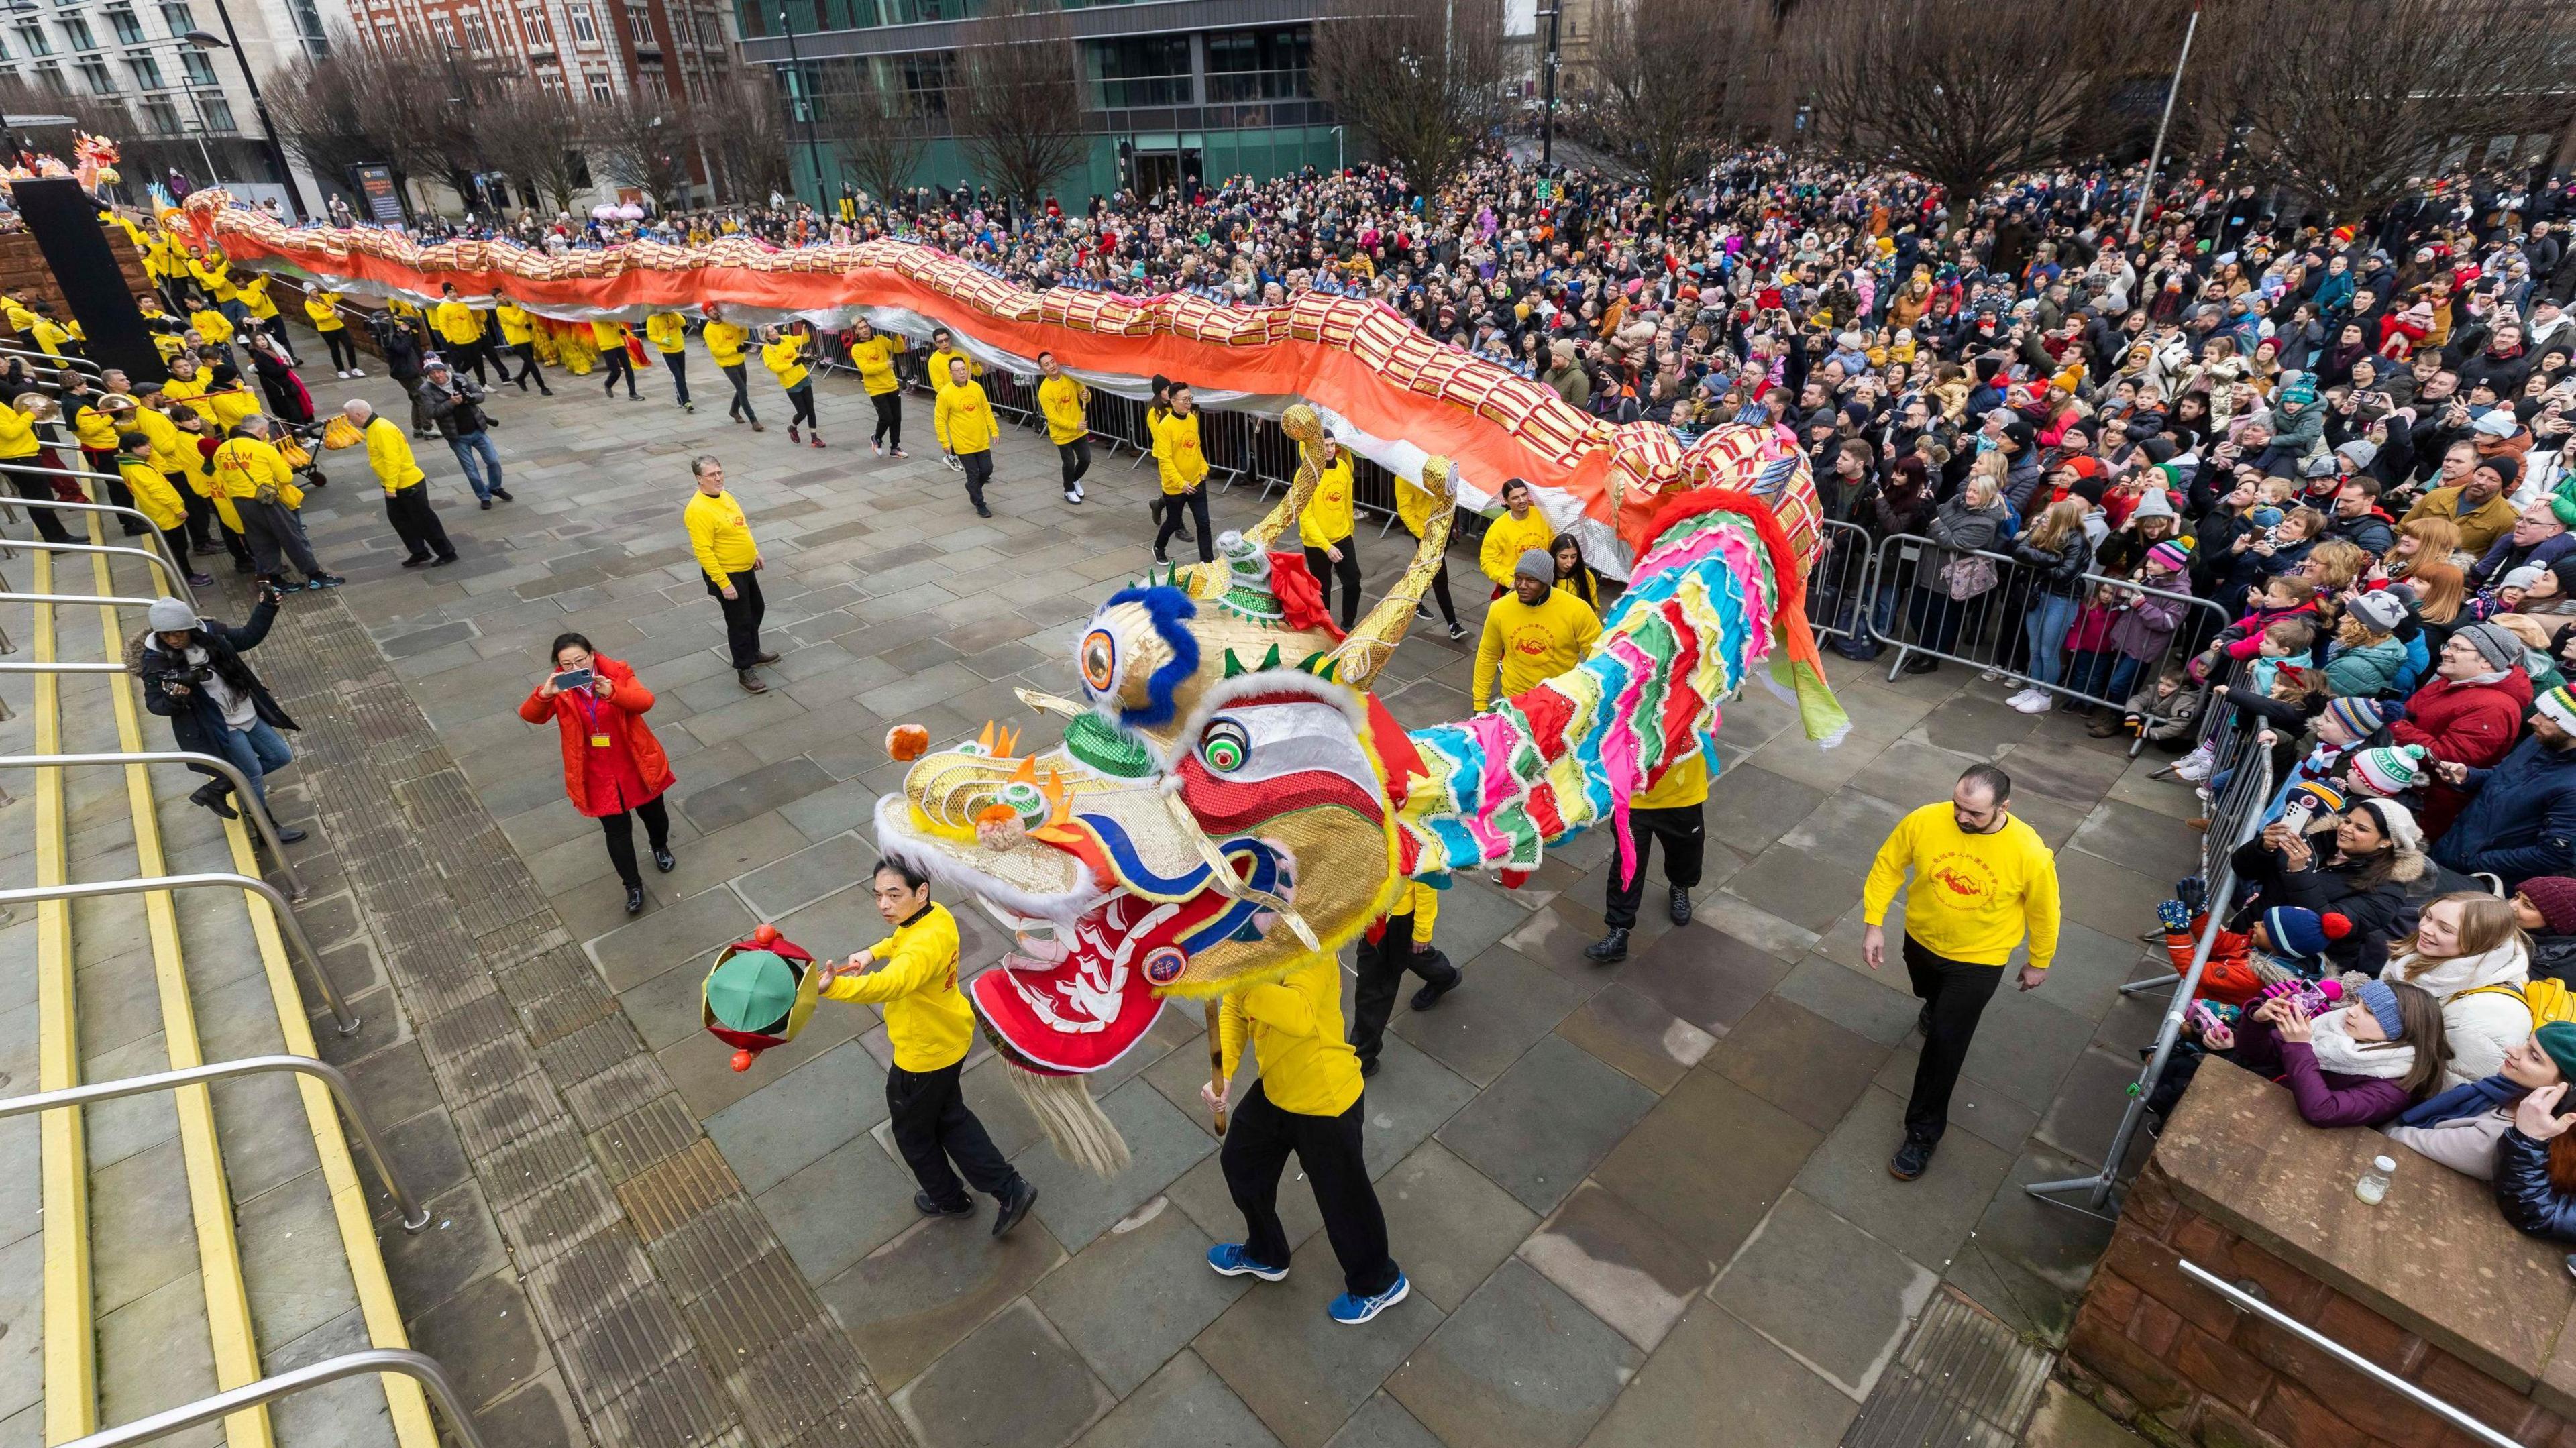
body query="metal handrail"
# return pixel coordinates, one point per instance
(420, 1367)
(256, 811)
(60, 361)
(343, 1021)
(2244, 1301)
(118, 599)
(177, 580)
(414, 1215)
(12, 500)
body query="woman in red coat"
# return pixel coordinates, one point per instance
(614, 768)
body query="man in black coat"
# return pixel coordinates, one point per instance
(193, 675)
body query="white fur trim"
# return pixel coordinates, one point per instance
(897, 838)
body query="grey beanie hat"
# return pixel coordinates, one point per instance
(170, 615)
(2493, 642)
(1535, 563)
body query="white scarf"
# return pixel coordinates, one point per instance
(2506, 964)
(2338, 1052)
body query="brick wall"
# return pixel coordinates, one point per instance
(2176, 1362)
(23, 272)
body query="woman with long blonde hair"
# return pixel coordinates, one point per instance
(2421, 541)
(2467, 945)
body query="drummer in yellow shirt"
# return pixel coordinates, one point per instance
(1066, 404)
(1308, 1100)
(873, 352)
(1521, 528)
(669, 334)
(912, 975)
(1326, 526)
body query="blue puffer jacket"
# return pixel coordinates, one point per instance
(2520, 820)
(2523, 1192)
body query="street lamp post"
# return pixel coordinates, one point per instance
(231, 40)
(802, 96)
(2155, 157)
(1547, 93)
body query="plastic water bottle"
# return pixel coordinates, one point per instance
(2373, 1185)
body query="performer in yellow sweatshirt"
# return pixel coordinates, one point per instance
(1326, 527)
(963, 419)
(873, 352)
(1067, 405)
(669, 334)
(1307, 1101)
(1672, 810)
(1537, 633)
(1982, 879)
(1396, 944)
(913, 975)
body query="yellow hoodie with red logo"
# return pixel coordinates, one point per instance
(1973, 895)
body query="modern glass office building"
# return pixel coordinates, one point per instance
(1175, 88)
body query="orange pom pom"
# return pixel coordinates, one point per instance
(996, 814)
(764, 935)
(907, 742)
(742, 1060)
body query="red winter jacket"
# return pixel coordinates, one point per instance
(2475, 724)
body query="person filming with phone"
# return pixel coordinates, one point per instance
(193, 675)
(614, 769)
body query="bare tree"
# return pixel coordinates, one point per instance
(1019, 109)
(2351, 101)
(321, 111)
(742, 124)
(1964, 92)
(1419, 80)
(411, 101)
(534, 134)
(1665, 81)
(876, 130)
(645, 145)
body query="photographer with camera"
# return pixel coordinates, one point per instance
(456, 407)
(193, 674)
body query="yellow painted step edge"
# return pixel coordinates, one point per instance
(71, 1366)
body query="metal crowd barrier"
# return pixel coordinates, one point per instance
(2231, 824)
(1841, 586)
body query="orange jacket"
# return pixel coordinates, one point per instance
(624, 716)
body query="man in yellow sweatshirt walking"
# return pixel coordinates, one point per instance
(963, 419)
(1538, 632)
(729, 559)
(1982, 879)
(913, 974)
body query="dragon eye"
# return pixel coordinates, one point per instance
(1099, 660)
(1224, 746)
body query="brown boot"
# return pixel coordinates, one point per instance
(750, 680)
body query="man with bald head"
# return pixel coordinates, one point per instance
(406, 493)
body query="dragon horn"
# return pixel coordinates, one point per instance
(1305, 427)
(1371, 644)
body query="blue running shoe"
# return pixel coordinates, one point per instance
(1228, 1259)
(1351, 1311)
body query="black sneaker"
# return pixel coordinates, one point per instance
(1912, 1158)
(1457, 631)
(921, 1201)
(1681, 906)
(1368, 1068)
(288, 834)
(421, 562)
(634, 899)
(1014, 1207)
(487, 505)
(1431, 992)
(662, 860)
(1610, 949)
(983, 512)
(504, 495)
(1922, 664)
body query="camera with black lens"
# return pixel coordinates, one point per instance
(193, 676)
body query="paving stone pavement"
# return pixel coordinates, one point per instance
(1634, 1201)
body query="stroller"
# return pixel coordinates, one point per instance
(300, 443)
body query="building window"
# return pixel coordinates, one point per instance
(177, 17)
(585, 30)
(1258, 65)
(76, 30)
(710, 31)
(129, 31)
(478, 36)
(4, 50)
(651, 80)
(95, 76)
(600, 90)
(219, 113)
(160, 115)
(34, 36)
(201, 71)
(1142, 70)
(639, 24)
(539, 29)
(147, 71)
(50, 76)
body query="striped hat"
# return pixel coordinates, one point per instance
(2361, 717)
(2390, 771)
(2558, 706)
(2170, 555)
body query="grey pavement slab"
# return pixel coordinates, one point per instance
(1303, 1373)
(1537, 1130)
(1161, 1143)
(1137, 1294)
(1522, 1363)
(1826, 1292)
(1014, 1381)
(1610, 1257)
(1185, 1405)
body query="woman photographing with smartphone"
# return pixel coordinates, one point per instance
(614, 769)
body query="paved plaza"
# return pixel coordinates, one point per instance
(1642, 1205)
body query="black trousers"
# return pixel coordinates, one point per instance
(1685, 838)
(801, 398)
(1196, 501)
(1076, 458)
(344, 352)
(1383, 963)
(202, 522)
(1257, 1144)
(1321, 564)
(619, 365)
(1957, 993)
(679, 363)
(619, 829)
(274, 536)
(742, 615)
(741, 394)
(464, 355)
(979, 471)
(932, 1128)
(417, 525)
(889, 407)
(526, 352)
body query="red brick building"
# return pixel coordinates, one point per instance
(598, 49)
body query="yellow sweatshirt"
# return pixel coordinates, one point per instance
(940, 381)
(928, 1021)
(1296, 1030)
(720, 536)
(1973, 895)
(162, 435)
(1422, 903)
(1327, 516)
(875, 360)
(1507, 538)
(254, 299)
(17, 434)
(1177, 452)
(668, 332)
(389, 453)
(1531, 645)
(515, 325)
(724, 343)
(456, 322)
(244, 464)
(1683, 785)
(963, 419)
(322, 310)
(154, 498)
(1067, 404)
(212, 325)
(785, 359)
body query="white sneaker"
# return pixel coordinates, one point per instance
(1072, 495)
(357, 372)
(876, 447)
(2034, 702)
(1989, 676)
(2018, 697)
